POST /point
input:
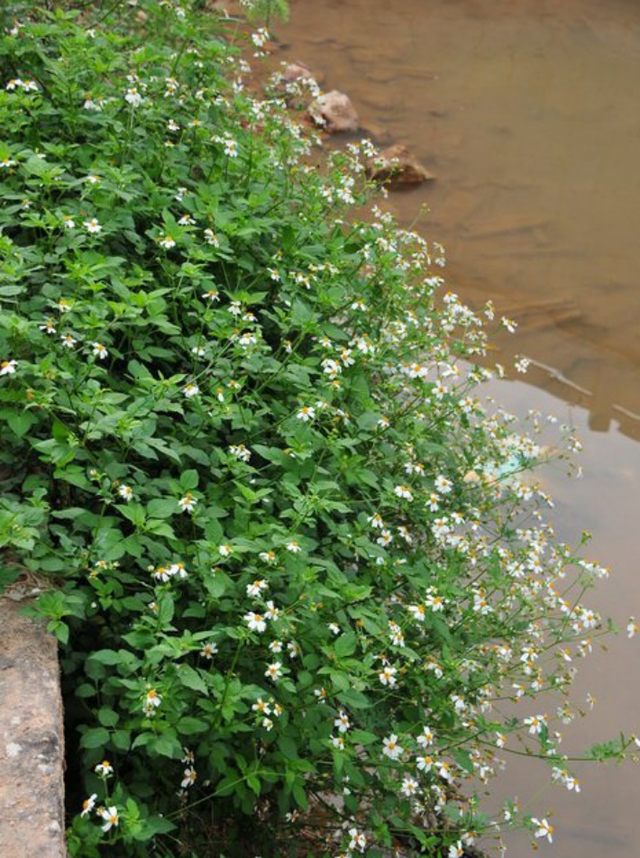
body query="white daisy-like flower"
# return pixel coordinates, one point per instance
(391, 747)
(167, 241)
(88, 804)
(110, 815)
(306, 413)
(409, 786)
(274, 671)
(99, 351)
(256, 622)
(255, 589)
(68, 341)
(190, 390)
(225, 550)
(92, 225)
(133, 97)
(104, 769)
(388, 676)
(189, 778)
(542, 828)
(209, 650)
(125, 492)
(188, 502)
(403, 492)
(8, 367)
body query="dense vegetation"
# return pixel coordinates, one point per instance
(296, 570)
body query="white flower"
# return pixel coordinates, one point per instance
(88, 804)
(293, 546)
(188, 503)
(110, 815)
(211, 295)
(152, 699)
(99, 351)
(391, 747)
(209, 650)
(7, 162)
(92, 225)
(334, 628)
(456, 850)
(190, 390)
(272, 613)
(444, 770)
(104, 769)
(255, 589)
(167, 242)
(535, 724)
(133, 97)
(388, 676)
(403, 492)
(189, 777)
(68, 341)
(426, 738)
(273, 671)
(256, 623)
(417, 612)
(8, 367)
(306, 413)
(409, 786)
(342, 722)
(68, 222)
(261, 706)
(358, 841)
(211, 238)
(425, 763)
(632, 627)
(225, 550)
(125, 492)
(542, 828)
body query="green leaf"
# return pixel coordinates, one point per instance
(191, 678)
(107, 717)
(96, 737)
(345, 645)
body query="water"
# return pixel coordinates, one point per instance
(528, 112)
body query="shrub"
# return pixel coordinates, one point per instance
(295, 563)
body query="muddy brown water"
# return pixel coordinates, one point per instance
(528, 112)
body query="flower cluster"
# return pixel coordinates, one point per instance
(296, 555)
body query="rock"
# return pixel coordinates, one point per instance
(334, 112)
(296, 71)
(398, 166)
(296, 83)
(31, 739)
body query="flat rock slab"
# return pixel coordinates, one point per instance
(31, 739)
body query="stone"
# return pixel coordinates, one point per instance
(296, 71)
(31, 739)
(397, 166)
(334, 112)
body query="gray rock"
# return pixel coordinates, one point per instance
(334, 112)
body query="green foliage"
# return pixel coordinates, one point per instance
(293, 557)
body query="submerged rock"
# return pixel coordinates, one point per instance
(334, 112)
(398, 166)
(296, 71)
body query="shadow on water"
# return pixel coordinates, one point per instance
(528, 113)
